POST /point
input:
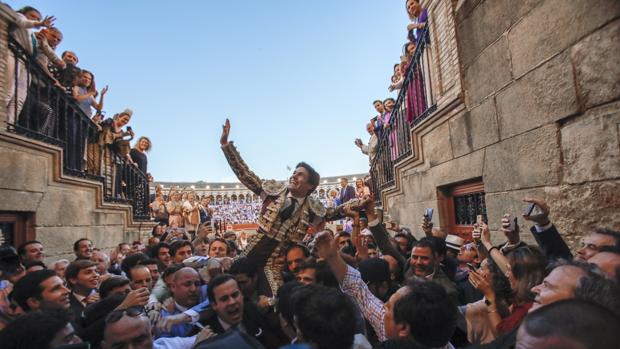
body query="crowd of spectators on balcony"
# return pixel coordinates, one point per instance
(413, 102)
(38, 79)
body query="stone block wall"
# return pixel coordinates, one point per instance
(540, 115)
(63, 211)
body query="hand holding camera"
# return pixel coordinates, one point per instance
(537, 211)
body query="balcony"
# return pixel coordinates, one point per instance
(414, 104)
(43, 111)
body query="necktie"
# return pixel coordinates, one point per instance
(288, 211)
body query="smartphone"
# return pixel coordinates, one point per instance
(429, 214)
(533, 210)
(471, 267)
(479, 219)
(513, 222)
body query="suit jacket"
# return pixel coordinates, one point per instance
(254, 323)
(347, 193)
(552, 243)
(75, 307)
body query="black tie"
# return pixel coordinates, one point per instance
(287, 212)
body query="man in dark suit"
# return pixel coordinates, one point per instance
(229, 310)
(83, 279)
(347, 192)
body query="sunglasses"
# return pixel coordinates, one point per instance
(116, 315)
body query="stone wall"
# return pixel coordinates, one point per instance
(65, 209)
(539, 114)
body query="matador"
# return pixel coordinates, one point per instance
(286, 213)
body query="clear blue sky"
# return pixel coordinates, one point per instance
(296, 78)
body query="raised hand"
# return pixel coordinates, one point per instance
(48, 22)
(326, 246)
(512, 234)
(225, 132)
(485, 235)
(104, 90)
(139, 297)
(541, 219)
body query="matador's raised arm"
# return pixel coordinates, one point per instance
(241, 170)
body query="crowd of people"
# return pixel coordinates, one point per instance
(102, 147)
(414, 102)
(373, 287)
(236, 212)
(297, 283)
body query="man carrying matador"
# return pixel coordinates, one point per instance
(286, 213)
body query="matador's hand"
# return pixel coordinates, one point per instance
(225, 132)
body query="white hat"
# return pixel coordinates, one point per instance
(454, 242)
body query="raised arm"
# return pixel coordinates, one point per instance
(99, 106)
(239, 167)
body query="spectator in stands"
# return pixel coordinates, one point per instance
(361, 190)
(68, 75)
(390, 124)
(31, 251)
(53, 330)
(138, 153)
(371, 148)
(377, 121)
(84, 93)
(83, 249)
(418, 17)
(41, 290)
(16, 87)
(347, 192)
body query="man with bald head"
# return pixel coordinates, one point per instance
(187, 292)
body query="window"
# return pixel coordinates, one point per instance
(16, 228)
(460, 206)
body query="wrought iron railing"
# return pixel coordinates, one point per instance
(414, 103)
(40, 110)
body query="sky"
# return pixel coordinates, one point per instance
(296, 78)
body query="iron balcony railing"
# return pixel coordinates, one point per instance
(414, 104)
(38, 109)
